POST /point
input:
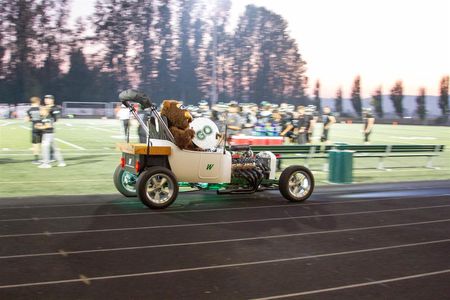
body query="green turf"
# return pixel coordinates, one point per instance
(89, 170)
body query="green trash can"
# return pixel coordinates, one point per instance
(340, 166)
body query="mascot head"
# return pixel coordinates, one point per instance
(176, 114)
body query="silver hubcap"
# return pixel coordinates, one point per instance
(129, 181)
(159, 188)
(299, 184)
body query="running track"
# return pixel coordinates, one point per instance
(381, 241)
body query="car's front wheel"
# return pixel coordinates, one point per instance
(157, 187)
(296, 183)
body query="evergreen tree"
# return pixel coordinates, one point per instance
(317, 97)
(113, 23)
(356, 96)
(79, 80)
(338, 101)
(443, 97)
(52, 36)
(142, 28)
(187, 81)
(303, 96)
(19, 32)
(164, 87)
(421, 107)
(377, 102)
(267, 65)
(397, 98)
(220, 53)
(3, 43)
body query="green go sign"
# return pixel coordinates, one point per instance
(203, 133)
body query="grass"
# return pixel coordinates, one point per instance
(88, 147)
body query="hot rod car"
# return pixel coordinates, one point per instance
(154, 171)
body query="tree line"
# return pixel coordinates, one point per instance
(180, 49)
(396, 96)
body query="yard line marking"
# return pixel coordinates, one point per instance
(24, 127)
(280, 236)
(66, 150)
(65, 154)
(54, 181)
(153, 213)
(104, 129)
(223, 266)
(219, 209)
(70, 144)
(205, 224)
(6, 124)
(355, 285)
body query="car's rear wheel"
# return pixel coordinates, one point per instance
(125, 182)
(157, 187)
(296, 183)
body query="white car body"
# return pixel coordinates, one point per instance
(198, 166)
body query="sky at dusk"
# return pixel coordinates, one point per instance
(381, 40)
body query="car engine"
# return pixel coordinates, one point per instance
(249, 170)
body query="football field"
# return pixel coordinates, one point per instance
(89, 149)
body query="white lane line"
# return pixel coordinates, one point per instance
(70, 144)
(311, 203)
(213, 267)
(280, 236)
(356, 285)
(208, 210)
(207, 223)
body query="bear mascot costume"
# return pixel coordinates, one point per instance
(179, 119)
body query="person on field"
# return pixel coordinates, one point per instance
(328, 119)
(124, 117)
(302, 122)
(311, 119)
(48, 143)
(55, 113)
(369, 121)
(34, 116)
(234, 119)
(145, 116)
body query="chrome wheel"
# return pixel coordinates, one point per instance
(299, 184)
(159, 188)
(296, 183)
